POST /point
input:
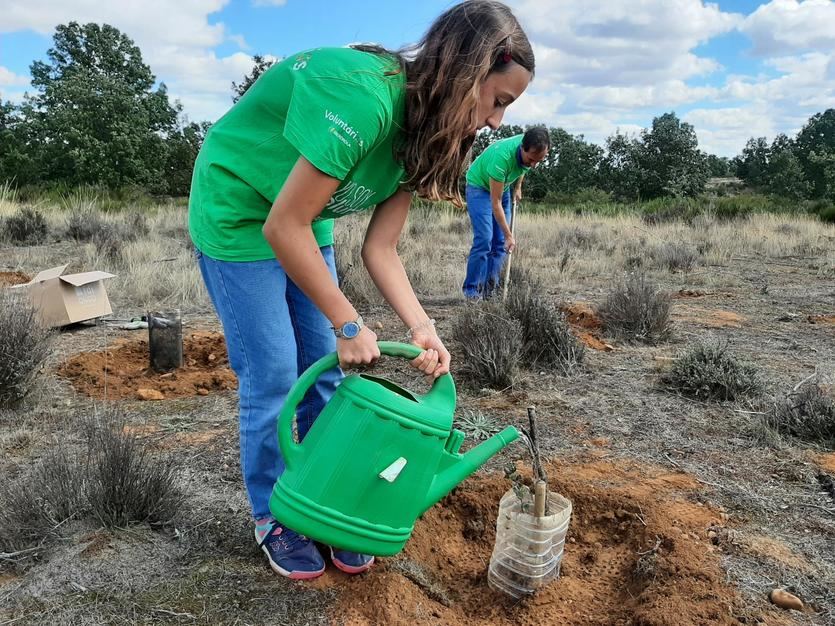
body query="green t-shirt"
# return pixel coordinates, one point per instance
(500, 162)
(340, 108)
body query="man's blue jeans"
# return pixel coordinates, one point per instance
(487, 254)
(273, 333)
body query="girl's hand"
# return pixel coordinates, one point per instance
(434, 361)
(361, 350)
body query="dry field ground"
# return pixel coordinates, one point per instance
(686, 511)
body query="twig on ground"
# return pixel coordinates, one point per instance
(173, 614)
(804, 381)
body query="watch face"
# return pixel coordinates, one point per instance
(350, 330)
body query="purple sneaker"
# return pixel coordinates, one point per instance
(291, 554)
(351, 562)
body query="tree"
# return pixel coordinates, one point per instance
(182, 148)
(573, 163)
(718, 167)
(817, 137)
(97, 118)
(823, 165)
(621, 170)
(671, 162)
(262, 64)
(785, 176)
(16, 164)
(752, 164)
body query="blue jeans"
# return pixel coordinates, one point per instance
(273, 333)
(487, 254)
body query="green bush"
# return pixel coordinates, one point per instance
(635, 310)
(708, 371)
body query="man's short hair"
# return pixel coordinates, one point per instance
(536, 138)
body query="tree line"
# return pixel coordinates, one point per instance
(97, 117)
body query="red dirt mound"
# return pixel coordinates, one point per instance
(13, 278)
(821, 319)
(621, 512)
(123, 371)
(587, 326)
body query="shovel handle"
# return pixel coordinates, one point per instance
(286, 443)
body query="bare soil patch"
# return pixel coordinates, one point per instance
(123, 370)
(711, 318)
(586, 325)
(622, 510)
(13, 278)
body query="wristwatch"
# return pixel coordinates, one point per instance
(349, 330)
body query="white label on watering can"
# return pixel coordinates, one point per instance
(393, 470)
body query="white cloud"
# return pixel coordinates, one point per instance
(534, 109)
(9, 79)
(724, 131)
(789, 26)
(176, 40)
(622, 42)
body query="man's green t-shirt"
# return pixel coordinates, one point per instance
(340, 108)
(499, 161)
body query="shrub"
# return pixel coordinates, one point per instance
(491, 345)
(708, 371)
(668, 210)
(827, 214)
(24, 347)
(676, 257)
(111, 479)
(125, 483)
(109, 241)
(808, 414)
(575, 238)
(636, 310)
(84, 225)
(548, 341)
(26, 227)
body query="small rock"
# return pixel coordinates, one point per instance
(202, 392)
(378, 325)
(212, 357)
(149, 394)
(694, 536)
(785, 600)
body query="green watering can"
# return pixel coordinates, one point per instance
(374, 460)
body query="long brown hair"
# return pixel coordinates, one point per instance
(444, 73)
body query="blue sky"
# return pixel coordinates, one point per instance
(734, 69)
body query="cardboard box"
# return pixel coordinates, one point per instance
(61, 299)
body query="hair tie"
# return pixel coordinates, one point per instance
(507, 57)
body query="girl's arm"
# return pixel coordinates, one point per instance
(379, 253)
(288, 231)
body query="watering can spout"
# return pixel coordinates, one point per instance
(455, 468)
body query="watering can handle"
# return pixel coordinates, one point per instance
(289, 447)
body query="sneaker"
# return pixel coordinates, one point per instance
(291, 554)
(351, 562)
